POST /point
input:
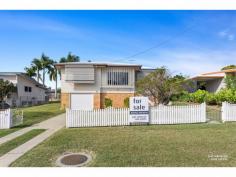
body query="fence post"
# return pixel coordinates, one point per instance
(67, 118)
(223, 111)
(204, 111)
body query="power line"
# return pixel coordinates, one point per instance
(159, 44)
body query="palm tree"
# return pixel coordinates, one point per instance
(30, 71)
(53, 76)
(46, 64)
(36, 63)
(70, 58)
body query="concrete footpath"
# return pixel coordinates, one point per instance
(51, 125)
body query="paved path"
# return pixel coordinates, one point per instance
(14, 134)
(51, 125)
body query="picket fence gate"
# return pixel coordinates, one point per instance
(5, 119)
(120, 116)
(10, 118)
(228, 112)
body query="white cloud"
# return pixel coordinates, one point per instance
(226, 34)
(222, 33)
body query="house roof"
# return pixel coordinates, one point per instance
(213, 75)
(222, 71)
(104, 64)
(21, 74)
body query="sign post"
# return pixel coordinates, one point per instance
(139, 110)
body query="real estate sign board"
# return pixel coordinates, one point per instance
(139, 110)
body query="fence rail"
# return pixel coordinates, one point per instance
(100, 117)
(178, 114)
(228, 112)
(119, 117)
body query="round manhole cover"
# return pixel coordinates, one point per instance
(74, 160)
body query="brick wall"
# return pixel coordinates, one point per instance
(117, 99)
(97, 101)
(65, 100)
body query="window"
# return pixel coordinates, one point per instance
(117, 78)
(28, 89)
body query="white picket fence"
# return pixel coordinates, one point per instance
(99, 117)
(178, 114)
(10, 118)
(5, 119)
(119, 117)
(228, 112)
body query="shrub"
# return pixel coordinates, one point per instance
(183, 97)
(108, 102)
(126, 102)
(198, 97)
(228, 95)
(211, 99)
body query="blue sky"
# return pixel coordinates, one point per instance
(187, 42)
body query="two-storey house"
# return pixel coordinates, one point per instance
(86, 85)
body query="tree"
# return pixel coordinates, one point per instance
(37, 65)
(53, 73)
(30, 71)
(70, 58)
(230, 81)
(46, 64)
(6, 87)
(229, 67)
(160, 85)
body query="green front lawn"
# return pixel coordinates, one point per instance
(34, 115)
(8, 146)
(141, 146)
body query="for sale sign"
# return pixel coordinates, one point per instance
(139, 110)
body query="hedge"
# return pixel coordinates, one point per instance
(201, 96)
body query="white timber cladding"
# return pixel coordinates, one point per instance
(36, 92)
(80, 74)
(100, 84)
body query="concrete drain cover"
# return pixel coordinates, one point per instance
(73, 160)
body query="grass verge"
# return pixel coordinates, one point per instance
(34, 115)
(8, 146)
(189, 145)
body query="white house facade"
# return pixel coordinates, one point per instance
(29, 91)
(87, 85)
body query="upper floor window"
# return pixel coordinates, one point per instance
(117, 78)
(28, 89)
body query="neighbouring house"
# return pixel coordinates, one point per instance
(212, 81)
(86, 85)
(29, 91)
(51, 94)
